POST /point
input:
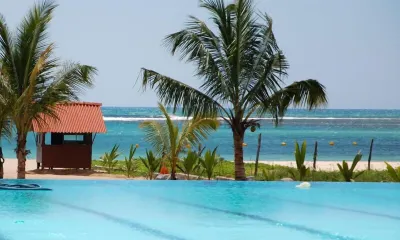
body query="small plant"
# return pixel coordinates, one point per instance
(268, 175)
(209, 162)
(130, 165)
(300, 155)
(200, 150)
(393, 172)
(151, 163)
(349, 174)
(109, 160)
(189, 164)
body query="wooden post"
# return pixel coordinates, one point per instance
(258, 154)
(370, 154)
(315, 155)
(1, 164)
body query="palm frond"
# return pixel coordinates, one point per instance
(68, 83)
(176, 94)
(307, 93)
(172, 132)
(5, 111)
(156, 135)
(197, 130)
(31, 39)
(265, 80)
(7, 63)
(197, 43)
(222, 18)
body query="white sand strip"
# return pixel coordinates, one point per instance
(10, 172)
(332, 165)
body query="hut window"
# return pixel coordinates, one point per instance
(73, 138)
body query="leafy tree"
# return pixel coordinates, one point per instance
(33, 80)
(169, 141)
(242, 71)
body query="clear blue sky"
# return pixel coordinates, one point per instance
(352, 47)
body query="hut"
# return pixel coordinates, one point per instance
(65, 140)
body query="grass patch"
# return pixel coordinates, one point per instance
(276, 172)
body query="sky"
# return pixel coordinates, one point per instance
(352, 47)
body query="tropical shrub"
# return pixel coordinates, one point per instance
(300, 156)
(151, 163)
(394, 173)
(168, 140)
(268, 175)
(109, 160)
(349, 174)
(130, 164)
(189, 164)
(209, 162)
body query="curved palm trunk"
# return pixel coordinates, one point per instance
(240, 173)
(173, 168)
(21, 155)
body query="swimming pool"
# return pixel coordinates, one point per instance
(200, 210)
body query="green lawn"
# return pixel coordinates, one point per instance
(274, 172)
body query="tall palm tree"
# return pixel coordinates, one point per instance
(242, 69)
(169, 141)
(33, 80)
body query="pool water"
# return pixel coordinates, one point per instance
(200, 210)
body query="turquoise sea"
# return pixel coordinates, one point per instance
(343, 127)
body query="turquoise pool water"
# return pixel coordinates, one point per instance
(201, 210)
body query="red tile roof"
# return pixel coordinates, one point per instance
(73, 117)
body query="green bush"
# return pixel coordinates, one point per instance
(151, 163)
(300, 156)
(189, 164)
(349, 174)
(394, 173)
(109, 160)
(130, 164)
(209, 162)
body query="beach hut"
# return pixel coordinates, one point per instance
(66, 141)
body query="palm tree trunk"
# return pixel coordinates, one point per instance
(240, 173)
(173, 169)
(21, 155)
(258, 155)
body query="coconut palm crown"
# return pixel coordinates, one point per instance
(32, 79)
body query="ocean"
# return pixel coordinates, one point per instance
(343, 127)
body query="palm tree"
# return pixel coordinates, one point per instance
(242, 69)
(168, 142)
(33, 80)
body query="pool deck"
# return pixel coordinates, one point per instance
(10, 168)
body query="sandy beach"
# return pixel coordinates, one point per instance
(332, 165)
(10, 167)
